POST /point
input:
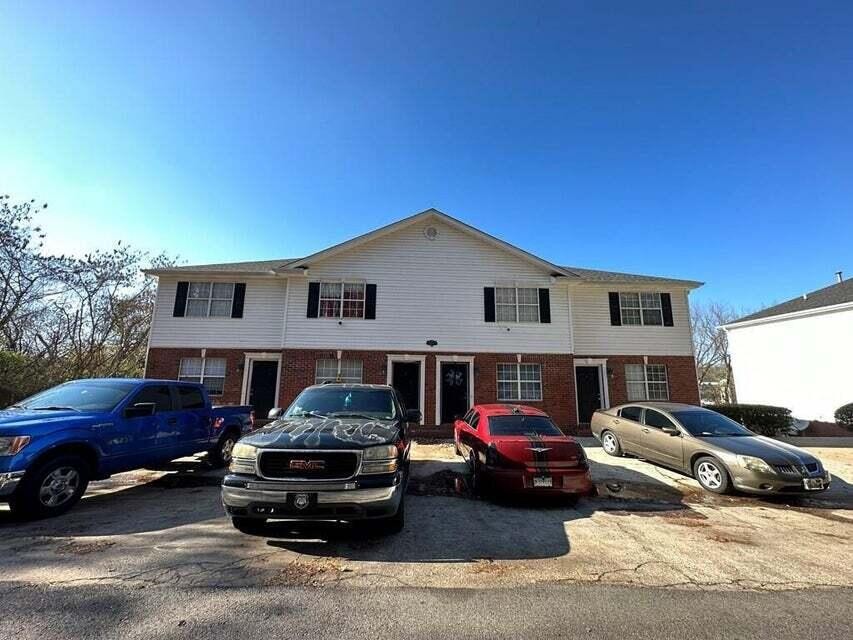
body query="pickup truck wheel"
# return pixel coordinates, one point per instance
(223, 452)
(52, 488)
(251, 526)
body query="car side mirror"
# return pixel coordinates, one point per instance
(413, 415)
(140, 410)
(671, 431)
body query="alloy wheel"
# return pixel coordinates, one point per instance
(609, 442)
(709, 475)
(228, 450)
(59, 486)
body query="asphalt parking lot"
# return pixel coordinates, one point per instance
(648, 526)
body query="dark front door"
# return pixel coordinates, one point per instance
(589, 392)
(454, 391)
(406, 379)
(262, 386)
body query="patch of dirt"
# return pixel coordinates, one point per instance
(441, 483)
(84, 548)
(306, 574)
(490, 567)
(727, 538)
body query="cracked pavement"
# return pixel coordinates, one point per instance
(143, 535)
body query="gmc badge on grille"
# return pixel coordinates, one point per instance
(308, 465)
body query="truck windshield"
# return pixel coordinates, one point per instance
(522, 425)
(343, 402)
(84, 395)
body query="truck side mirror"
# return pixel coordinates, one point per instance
(413, 415)
(140, 410)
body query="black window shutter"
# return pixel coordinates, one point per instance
(615, 313)
(239, 299)
(313, 299)
(181, 299)
(370, 302)
(489, 304)
(666, 306)
(544, 305)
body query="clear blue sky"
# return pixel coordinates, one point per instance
(707, 140)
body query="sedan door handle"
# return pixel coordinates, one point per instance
(645, 430)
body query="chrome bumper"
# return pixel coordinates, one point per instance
(9, 482)
(372, 502)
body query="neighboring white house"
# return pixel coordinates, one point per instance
(798, 354)
(443, 311)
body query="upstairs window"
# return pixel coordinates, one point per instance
(342, 299)
(332, 370)
(646, 382)
(210, 299)
(641, 309)
(208, 371)
(518, 382)
(517, 304)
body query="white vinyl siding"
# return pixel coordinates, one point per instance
(646, 382)
(260, 327)
(595, 336)
(429, 290)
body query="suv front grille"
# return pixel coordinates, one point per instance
(308, 465)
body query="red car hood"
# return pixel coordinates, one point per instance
(540, 452)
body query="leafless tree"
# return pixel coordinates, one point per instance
(65, 317)
(713, 362)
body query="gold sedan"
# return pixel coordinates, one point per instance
(720, 453)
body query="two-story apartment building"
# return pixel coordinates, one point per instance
(443, 311)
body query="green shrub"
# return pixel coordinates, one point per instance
(763, 419)
(844, 415)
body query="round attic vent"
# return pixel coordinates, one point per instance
(431, 233)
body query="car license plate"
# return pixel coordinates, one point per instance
(543, 481)
(813, 483)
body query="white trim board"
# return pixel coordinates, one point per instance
(452, 358)
(601, 363)
(248, 363)
(389, 375)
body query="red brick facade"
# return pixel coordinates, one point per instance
(558, 386)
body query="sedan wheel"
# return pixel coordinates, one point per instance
(610, 444)
(711, 475)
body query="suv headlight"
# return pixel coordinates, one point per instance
(12, 445)
(243, 458)
(755, 464)
(381, 459)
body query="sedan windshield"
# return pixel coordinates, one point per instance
(710, 424)
(522, 425)
(343, 402)
(84, 395)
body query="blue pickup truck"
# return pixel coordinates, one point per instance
(53, 443)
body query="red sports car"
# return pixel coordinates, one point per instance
(513, 448)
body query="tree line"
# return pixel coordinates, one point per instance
(65, 317)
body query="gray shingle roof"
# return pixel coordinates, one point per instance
(838, 293)
(596, 275)
(234, 267)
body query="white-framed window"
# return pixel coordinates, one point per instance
(209, 299)
(641, 308)
(333, 370)
(342, 299)
(516, 304)
(518, 382)
(209, 371)
(646, 382)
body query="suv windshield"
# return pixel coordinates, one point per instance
(709, 424)
(84, 395)
(522, 425)
(342, 402)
